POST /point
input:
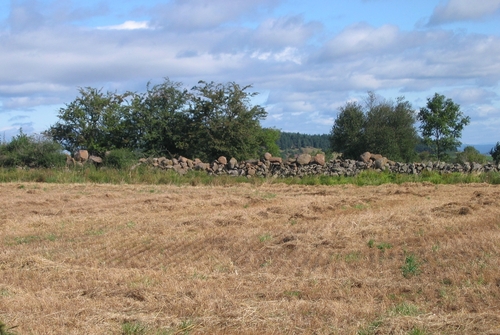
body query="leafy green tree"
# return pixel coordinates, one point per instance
(495, 153)
(156, 119)
(222, 121)
(347, 134)
(268, 141)
(92, 121)
(206, 122)
(442, 123)
(390, 129)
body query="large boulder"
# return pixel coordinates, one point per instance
(304, 159)
(222, 160)
(81, 156)
(95, 159)
(380, 163)
(232, 163)
(374, 157)
(365, 157)
(320, 159)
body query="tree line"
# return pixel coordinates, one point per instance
(213, 119)
(206, 122)
(288, 140)
(388, 128)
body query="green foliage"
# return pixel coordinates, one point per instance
(156, 121)
(221, 121)
(382, 127)
(36, 151)
(209, 121)
(442, 123)
(390, 129)
(268, 139)
(133, 328)
(93, 121)
(347, 135)
(120, 158)
(471, 155)
(495, 153)
(411, 266)
(405, 309)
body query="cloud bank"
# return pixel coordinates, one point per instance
(49, 48)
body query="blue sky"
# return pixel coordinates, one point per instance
(305, 58)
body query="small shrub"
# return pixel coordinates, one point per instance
(36, 151)
(405, 309)
(411, 267)
(470, 155)
(133, 328)
(120, 159)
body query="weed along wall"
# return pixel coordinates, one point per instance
(307, 165)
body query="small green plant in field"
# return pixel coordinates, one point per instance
(411, 267)
(95, 232)
(27, 239)
(406, 309)
(352, 257)
(51, 237)
(6, 331)
(133, 328)
(383, 246)
(131, 224)
(293, 222)
(265, 237)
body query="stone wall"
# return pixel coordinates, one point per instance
(307, 165)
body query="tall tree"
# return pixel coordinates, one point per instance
(390, 129)
(222, 121)
(442, 123)
(92, 121)
(347, 135)
(156, 119)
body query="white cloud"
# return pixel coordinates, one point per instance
(189, 15)
(128, 25)
(464, 10)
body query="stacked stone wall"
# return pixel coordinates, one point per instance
(307, 165)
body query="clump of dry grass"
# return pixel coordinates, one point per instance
(269, 258)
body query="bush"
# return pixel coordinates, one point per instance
(470, 155)
(495, 153)
(120, 159)
(34, 151)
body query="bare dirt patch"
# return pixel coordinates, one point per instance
(271, 259)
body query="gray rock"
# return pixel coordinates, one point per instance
(304, 159)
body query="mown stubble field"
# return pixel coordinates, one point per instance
(246, 259)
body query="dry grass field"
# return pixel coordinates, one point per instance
(246, 259)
